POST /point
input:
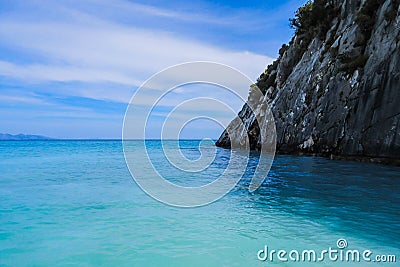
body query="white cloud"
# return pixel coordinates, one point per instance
(94, 49)
(35, 73)
(22, 99)
(104, 51)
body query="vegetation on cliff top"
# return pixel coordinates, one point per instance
(310, 21)
(313, 20)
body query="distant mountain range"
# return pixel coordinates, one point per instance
(5, 136)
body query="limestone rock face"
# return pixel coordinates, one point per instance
(337, 93)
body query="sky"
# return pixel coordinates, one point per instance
(68, 69)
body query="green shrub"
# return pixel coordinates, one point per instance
(366, 17)
(365, 22)
(352, 64)
(360, 42)
(303, 18)
(314, 17)
(283, 49)
(334, 51)
(268, 78)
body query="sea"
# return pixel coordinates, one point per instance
(75, 203)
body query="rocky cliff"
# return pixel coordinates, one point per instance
(335, 89)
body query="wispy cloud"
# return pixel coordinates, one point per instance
(109, 52)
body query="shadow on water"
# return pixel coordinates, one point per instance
(359, 198)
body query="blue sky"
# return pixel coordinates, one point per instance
(69, 68)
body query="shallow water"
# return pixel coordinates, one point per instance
(65, 203)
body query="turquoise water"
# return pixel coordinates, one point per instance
(74, 203)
